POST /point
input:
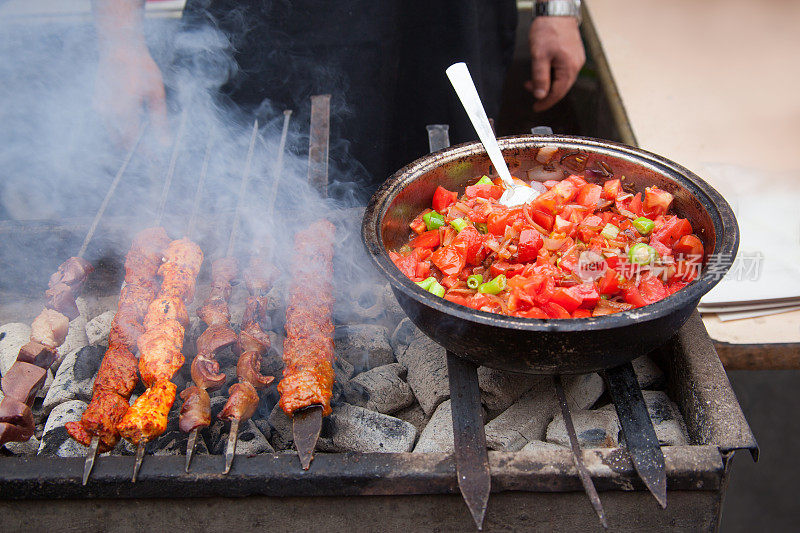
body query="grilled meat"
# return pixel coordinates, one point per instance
(146, 419)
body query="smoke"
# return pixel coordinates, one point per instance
(57, 159)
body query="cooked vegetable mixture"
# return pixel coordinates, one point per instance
(577, 250)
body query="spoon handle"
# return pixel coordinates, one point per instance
(465, 88)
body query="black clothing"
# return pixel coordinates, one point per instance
(383, 62)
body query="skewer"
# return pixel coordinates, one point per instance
(307, 424)
(230, 451)
(233, 436)
(111, 190)
(140, 448)
(287, 115)
(171, 169)
(583, 473)
(91, 453)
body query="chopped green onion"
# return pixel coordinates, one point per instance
(482, 227)
(433, 220)
(484, 181)
(610, 231)
(474, 281)
(642, 254)
(459, 224)
(426, 283)
(436, 289)
(644, 225)
(497, 285)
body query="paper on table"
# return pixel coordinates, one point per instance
(726, 317)
(767, 208)
(747, 306)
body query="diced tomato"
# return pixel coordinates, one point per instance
(480, 212)
(474, 244)
(592, 220)
(689, 247)
(588, 294)
(672, 229)
(509, 269)
(423, 269)
(589, 195)
(652, 290)
(484, 190)
(563, 226)
(497, 221)
(567, 299)
(569, 262)
(576, 181)
(407, 265)
(429, 239)
(656, 201)
(660, 248)
(545, 220)
(533, 312)
(613, 261)
(549, 201)
(449, 281)
(676, 285)
(550, 183)
(609, 283)
(530, 242)
(554, 310)
(582, 313)
(543, 288)
(418, 225)
(442, 199)
(519, 300)
(686, 270)
(633, 296)
(635, 206)
(421, 253)
(566, 190)
(612, 189)
(451, 259)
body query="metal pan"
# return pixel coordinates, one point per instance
(538, 346)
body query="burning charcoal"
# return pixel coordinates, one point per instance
(24, 449)
(354, 429)
(282, 438)
(387, 392)
(536, 445)
(364, 346)
(414, 415)
(438, 434)
(48, 382)
(75, 377)
(76, 339)
(358, 302)
(595, 429)
(251, 440)
(94, 306)
(500, 389)
(98, 328)
(403, 335)
(583, 390)
(426, 362)
(55, 439)
(648, 374)
(13, 336)
(173, 440)
(524, 420)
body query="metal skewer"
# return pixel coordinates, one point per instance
(140, 448)
(230, 450)
(307, 423)
(91, 453)
(583, 473)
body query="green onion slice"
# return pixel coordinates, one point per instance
(433, 220)
(474, 281)
(610, 231)
(427, 282)
(644, 225)
(484, 181)
(459, 224)
(436, 289)
(496, 286)
(642, 254)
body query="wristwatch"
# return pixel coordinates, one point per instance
(557, 8)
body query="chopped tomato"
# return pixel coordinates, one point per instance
(656, 201)
(588, 294)
(686, 270)
(418, 225)
(633, 296)
(449, 281)
(533, 312)
(612, 189)
(676, 285)
(422, 269)
(589, 195)
(576, 181)
(672, 229)
(545, 220)
(609, 283)
(530, 242)
(567, 299)
(582, 313)
(563, 226)
(550, 183)
(554, 310)
(689, 247)
(652, 290)
(407, 265)
(549, 201)
(429, 239)
(474, 244)
(502, 267)
(566, 190)
(484, 190)
(497, 221)
(442, 199)
(451, 259)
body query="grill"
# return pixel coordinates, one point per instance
(409, 490)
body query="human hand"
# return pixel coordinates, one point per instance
(129, 89)
(557, 56)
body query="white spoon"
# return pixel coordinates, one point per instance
(515, 194)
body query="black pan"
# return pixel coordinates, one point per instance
(538, 346)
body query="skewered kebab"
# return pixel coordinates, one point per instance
(25, 378)
(252, 344)
(196, 409)
(308, 355)
(117, 376)
(160, 346)
(49, 330)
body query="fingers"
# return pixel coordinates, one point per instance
(563, 78)
(540, 75)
